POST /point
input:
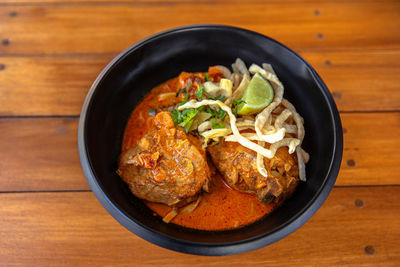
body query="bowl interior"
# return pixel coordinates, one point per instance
(124, 83)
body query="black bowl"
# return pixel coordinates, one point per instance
(127, 78)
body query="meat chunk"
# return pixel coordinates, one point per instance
(238, 166)
(166, 166)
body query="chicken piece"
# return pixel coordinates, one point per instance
(238, 165)
(166, 166)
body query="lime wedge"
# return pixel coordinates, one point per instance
(256, 97)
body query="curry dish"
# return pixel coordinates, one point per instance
(214, 150)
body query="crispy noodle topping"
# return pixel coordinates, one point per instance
(278, 124)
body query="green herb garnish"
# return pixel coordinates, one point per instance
(216, 125)
(211, 111)
(221, 114)
(176, 116)
(185, 100)
(236, 103)
(184, 118)
(218, 113)
(207, 94)
(188, 117)
(199, 93)
(220, 98)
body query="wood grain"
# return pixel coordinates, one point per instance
(41, 154)
(132, 2)
(57, 85)
(52, 50)
(371, 142)
(360, 81)
(72, 229)
(57, 29)
(47, 85)
(151, 2)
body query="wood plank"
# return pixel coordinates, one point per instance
(72, 229)
(41, 154)
(47, 85)
(371, 143)
(360, 81)
(92, 28)
(153, 2)
(141, 2)
(58, 84)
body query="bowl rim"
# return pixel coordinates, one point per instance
(203, 248)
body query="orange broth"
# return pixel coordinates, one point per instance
(222, 208)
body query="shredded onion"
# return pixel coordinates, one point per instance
(290, 128)
(256, 137)
(260, 162)
(236, 78)
(250, 136)
(200, 119)
(238, 93)
(172, 214)
(268, 67)
(243, 141)
(204, 126)
(192, 206)
(263, 116)
(224, 70)
(282, 118)
(302, 167)
(292, 143)
(162, 97)
(297, 118)
(245, 123)
(270, 125)
(215, 133)
(306, 156)
(241, 66)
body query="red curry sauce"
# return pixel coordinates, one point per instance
(223, 207)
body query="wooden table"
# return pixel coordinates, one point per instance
(52, 50)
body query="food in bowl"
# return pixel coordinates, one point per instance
(129, 77)
(214, 150)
